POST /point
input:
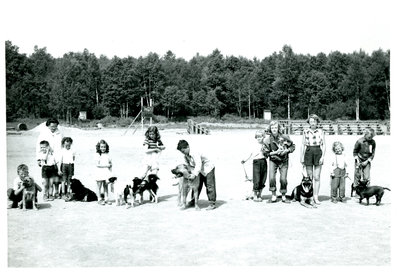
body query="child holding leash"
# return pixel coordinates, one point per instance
(364, 152)
(153, 150)
(259, 167)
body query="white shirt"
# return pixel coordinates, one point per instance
(256, 151)
(339, 162)
(199, 163)
(54, 140)
(67, 156)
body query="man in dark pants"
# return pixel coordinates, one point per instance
(202, 166)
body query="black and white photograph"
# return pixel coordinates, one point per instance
(199, 135)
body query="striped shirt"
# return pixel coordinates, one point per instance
(152, 144)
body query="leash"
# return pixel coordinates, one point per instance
(245, 173)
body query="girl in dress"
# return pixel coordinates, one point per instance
(103, 173)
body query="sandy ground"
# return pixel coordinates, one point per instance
(238, 232)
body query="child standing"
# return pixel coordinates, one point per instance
(259, 166)
(67, 162)
(364, 152)
(15, 194)
(103, 173)
(277, 147)
(153, 151)
(338, 173)
(48, 163)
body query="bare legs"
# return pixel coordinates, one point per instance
(314, 172)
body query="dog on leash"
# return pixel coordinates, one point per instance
(131, 190)
(185, 185)
(365, 191)
(304, 193)
(29, 193)
(80, 193)
(139, 186)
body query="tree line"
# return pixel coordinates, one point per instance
(290, 85)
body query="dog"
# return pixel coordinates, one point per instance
(149, 185)
(80, 193)
(132, 190)
(29, 193)
(139, 186)
(365, 191)
(304, 193)
(185, 185)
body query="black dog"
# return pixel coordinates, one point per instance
(80, 193)
(304, 193)
(139, 186)
(365, 191)
(132, 190)
(151, 186)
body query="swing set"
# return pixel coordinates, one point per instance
(146, 112)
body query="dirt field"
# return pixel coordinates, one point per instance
(237, 233)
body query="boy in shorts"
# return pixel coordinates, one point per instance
(48, 163)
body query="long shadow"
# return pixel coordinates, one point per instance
(166, 197)
(44, 206)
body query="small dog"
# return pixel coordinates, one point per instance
(365, 191)
(131, 190)
(139, 186)
(185, 185)
(80, 193)
(304, 193)
(29, 193)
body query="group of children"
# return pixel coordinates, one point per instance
(275, 145)
(57, 165)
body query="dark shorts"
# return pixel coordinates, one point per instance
(49, 171)
(312, 155)
(67, 170)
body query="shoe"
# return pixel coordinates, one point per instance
(333, 200)
(284, 200)
(343, 200)
(109, 203)
(316, 201)
(190, 204)
(51, 198)
(274, 199)
(258, 199)
(211, 207)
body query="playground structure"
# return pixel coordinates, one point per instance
(195, 128)
(144, 113)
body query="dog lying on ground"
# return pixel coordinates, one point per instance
(365, 191)
(185, 185)
(29, 193)
(139, 186)
(80, 193)
(304, 193)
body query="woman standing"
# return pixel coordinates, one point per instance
(313, 151)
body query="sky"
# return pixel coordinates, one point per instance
(248, 28)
